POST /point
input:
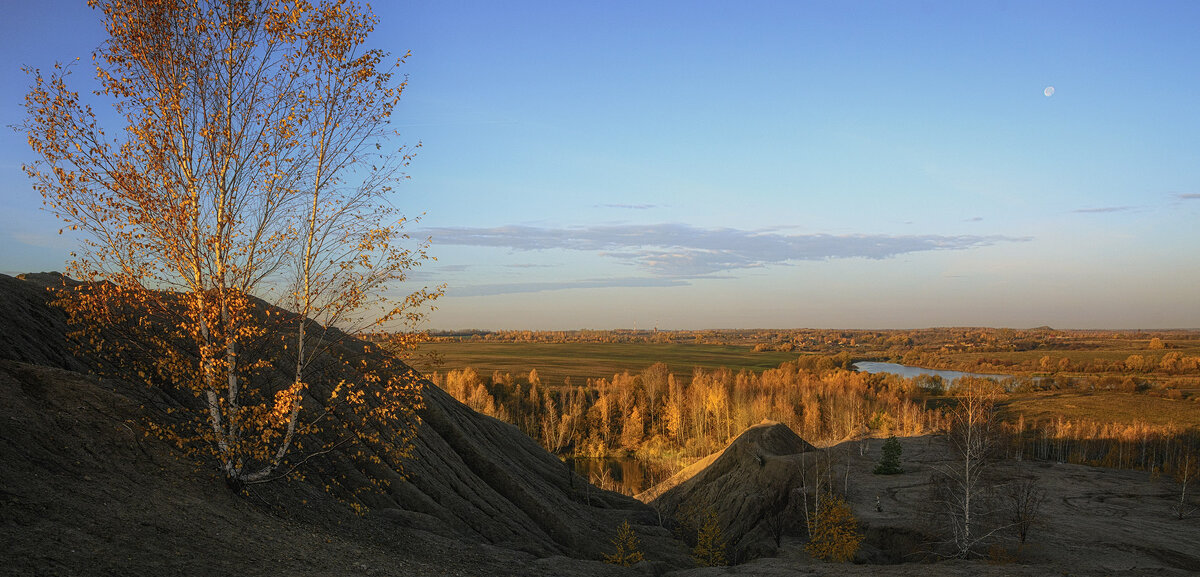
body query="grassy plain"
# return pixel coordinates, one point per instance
(581, 361)
(1117, 351)
(1102, 406)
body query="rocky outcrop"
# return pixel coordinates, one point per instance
(741, 484)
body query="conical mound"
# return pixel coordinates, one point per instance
(745, 484)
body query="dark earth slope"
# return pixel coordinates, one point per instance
(736, 484)
(83, 490)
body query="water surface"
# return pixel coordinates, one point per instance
(628, 475)
(909, 372)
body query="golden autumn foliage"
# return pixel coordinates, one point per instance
(835, 533)
(626, 542)
(253, 167)
(696, 415)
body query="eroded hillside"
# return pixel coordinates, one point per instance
(85, 488)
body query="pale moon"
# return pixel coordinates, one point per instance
(1049, 91)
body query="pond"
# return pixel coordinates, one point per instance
(909, 372)
(628, 475)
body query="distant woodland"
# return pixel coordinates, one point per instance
(657, 413)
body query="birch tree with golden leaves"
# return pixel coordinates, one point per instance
(255, 166)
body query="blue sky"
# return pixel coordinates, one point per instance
(767, 164)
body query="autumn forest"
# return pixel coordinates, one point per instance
(676, 415)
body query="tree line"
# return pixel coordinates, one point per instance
(1161, 449)
(658, 413)
(889, 343)
(1163, 363)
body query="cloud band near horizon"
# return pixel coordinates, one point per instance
(684, 251)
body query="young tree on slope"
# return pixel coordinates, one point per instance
(1024, 500)
(254, 164)
(710, 544)
(1187, 470)
(961, 491)
(889, 463)
(836, 536)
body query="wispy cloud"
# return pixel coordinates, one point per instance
(628, 206)
(436, 273)
(529, 265)
(1189, 196)
(535, 287)
(679, 250)
(1103, 209)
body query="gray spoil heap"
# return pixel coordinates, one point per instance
(741, 484)
(472, 478)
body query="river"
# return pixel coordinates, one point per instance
(908, 372)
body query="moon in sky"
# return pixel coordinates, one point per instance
(1049, 91)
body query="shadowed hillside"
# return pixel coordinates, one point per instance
(740, 484)
(76, 456)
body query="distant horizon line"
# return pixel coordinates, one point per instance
(941, 327)
(652, 330)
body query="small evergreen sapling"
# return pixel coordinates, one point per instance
(889, 463)
(627, 547)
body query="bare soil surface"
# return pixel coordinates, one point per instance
(84, 493)
(740, 484)
(1094, 521)
(84, 490)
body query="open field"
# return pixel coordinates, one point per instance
(1116, 351)
(967, 349)
(581, 361)
(1102, 406)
